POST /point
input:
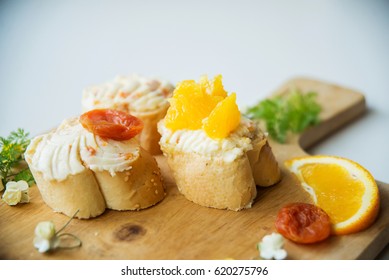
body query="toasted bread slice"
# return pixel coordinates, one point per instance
(212, 182)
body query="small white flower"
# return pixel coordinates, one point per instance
(45, 230)
(21, 185)
(16, 192)
(45, 237)
(43, 245)
(12, 197)
(271, 247)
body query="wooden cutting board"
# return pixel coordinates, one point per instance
(179, 229)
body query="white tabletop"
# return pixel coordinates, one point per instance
(51, 50)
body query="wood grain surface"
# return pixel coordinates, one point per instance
(179, 229)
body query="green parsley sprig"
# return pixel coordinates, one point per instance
(293, 111)
(12, 164)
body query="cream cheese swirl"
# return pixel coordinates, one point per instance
(128, 93)
(70, 149)
(197, 141)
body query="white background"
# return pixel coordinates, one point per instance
(280, 270)
(51, 50)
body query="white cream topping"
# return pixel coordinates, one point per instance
(128, 93)
(71, 148)
(197, 141)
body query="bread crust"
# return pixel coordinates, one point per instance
(135, 189)
(77, 192)
(212, 182)
(264, 166)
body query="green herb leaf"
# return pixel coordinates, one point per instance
(294, 112)
(12, 162)
(25, 175)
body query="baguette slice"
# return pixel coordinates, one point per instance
(218, 180)
(135, 189)
(145, 98)
(76, 170)
(212, 182)
(263, 164)
(77, 192)
(149, 137)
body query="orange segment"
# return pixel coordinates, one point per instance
(192, 103)
(342, 188)
(174, 118)
(205, 86)
(218, 89)
(224, 119)
(185, 87)
(188, 111)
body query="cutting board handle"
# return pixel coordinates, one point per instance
(339, 107)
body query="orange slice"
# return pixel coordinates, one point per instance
(223, 119)
(345, 190)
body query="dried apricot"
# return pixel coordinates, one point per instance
(112, 124)
(303, 223)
